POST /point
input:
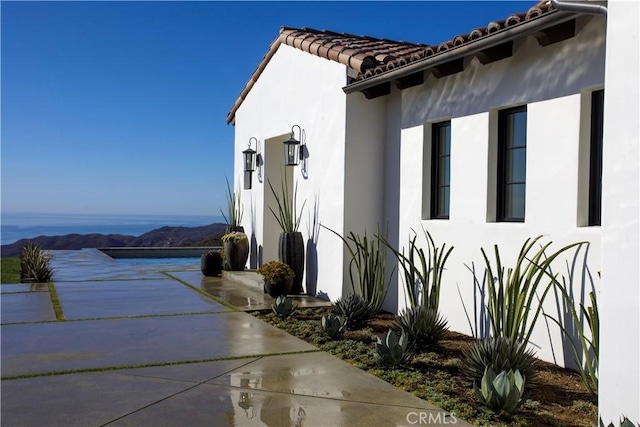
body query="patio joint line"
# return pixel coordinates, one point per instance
(175, 394)
(200, 291)
(147, 365)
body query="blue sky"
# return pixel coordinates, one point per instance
(120, 107)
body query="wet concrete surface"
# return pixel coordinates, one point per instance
(244, 298)
(63, 346)
(82, 300)
(24, 287)
(26, 307)
(268, 382)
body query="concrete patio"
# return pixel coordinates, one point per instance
(143, 348)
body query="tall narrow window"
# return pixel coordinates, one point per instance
(440, 169)
(595, 157)
(512, 164)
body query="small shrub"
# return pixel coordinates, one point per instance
(424, 326)
(34, 264)
(354, 309)
(499, 354)
(276, 272)
(502, 393)
(392, 351)
(334, 326)
(283, 307)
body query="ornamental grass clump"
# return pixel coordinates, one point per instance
(276, 272)
(34, 264)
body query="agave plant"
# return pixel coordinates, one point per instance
(392, 351)
(423, 326)
(284, 307)
(353, 309)
(334, 326)
(502, 393)
(499, 354)
(624, 422)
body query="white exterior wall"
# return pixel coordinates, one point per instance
(619, 299)
(552, 81)
(298, 88)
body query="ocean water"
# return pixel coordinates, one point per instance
(16, 226)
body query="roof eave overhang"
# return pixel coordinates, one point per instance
(514, 32)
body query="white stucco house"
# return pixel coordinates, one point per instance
(526, 127)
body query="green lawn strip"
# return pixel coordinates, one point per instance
(150, 365)
(57, 307)
(200, 291)
(9, 270)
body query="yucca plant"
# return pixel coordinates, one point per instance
(284, 307)
(501, 393)
(353, 309)
(392, 350)
(586, 356)
(424, 326)
(287, 215)
(368, 267)
(422, 271)
(34, 264)
(512, 294)
(334, 326)
(234, 207)
(499, 354)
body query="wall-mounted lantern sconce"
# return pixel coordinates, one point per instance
(293, 151)
(249, 156)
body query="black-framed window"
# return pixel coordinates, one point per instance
(595, 157)
(440, 170)
(512, 164)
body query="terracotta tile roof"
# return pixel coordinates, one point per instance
(369, 56)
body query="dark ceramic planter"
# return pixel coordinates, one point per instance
(237, 254)
(231, 229)
(278, 288)
(211, 265)
(291, 252)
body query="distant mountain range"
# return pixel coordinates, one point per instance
(207, 235)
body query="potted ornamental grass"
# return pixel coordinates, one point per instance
(290, 243)
(236, 250)
(234, 210)
(211, 263)
(278, 278)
